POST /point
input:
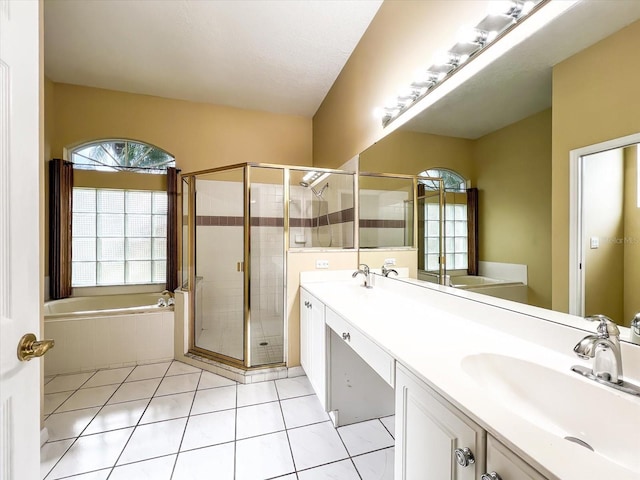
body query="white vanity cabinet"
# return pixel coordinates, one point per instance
(434, 439)
(506, 465)
(313, 343)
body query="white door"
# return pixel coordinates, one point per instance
(20, 257)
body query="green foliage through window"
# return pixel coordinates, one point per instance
(121, 155)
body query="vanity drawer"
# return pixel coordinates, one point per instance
(381, 362)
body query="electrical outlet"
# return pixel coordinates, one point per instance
(322, 263)
(595, 242)
(389, 261)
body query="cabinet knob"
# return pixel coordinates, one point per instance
(346, 336)
(490, 476)
(464, 457)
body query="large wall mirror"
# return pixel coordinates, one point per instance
(495, 130)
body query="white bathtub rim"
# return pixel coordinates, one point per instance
(114, 312)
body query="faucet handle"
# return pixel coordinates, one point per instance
(607, 327)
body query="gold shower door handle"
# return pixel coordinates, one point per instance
(29, 348)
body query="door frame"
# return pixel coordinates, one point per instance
(576, 216)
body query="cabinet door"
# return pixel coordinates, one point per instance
(319, 350)
(429, 430)
(313, 343)
(507, 464)
(305, 332)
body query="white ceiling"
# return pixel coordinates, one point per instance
(518, 84)
(271, 55)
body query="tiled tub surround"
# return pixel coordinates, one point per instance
(173, 421)
(400, 318)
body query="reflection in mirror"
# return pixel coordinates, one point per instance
(321, 209)
(496, 130)
(386, 211)
(611, 234)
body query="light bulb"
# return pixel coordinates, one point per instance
(467, 35)
(379, 113)
(500, 7)
(527, 7)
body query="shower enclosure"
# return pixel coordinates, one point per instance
(238, 224)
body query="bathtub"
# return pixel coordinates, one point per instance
(495, 287)
(102, 305)
(107, 331)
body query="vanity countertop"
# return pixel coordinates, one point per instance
(432, 334)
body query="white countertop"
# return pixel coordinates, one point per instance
(430, 333)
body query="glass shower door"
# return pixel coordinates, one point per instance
(219, 264)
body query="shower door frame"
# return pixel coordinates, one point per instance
(246, 363)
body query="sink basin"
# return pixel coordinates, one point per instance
(564, 404)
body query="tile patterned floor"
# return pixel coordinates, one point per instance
(173, 421)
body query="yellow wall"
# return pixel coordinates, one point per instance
(199, 135)
(595, 98)
(513, 171)
(411, 152)
(631, 235)
(603, 212)
(402, 37)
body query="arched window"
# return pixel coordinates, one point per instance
(121, 155)
(453, 181)
(455, 222)
(119, 229)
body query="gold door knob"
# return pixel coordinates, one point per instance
(29, 348)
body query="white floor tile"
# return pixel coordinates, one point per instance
(301, 411)
(145, 372)
(69, 424)
(263, 457)
(153, 440)
(390, 424)
(88, 397)
(212, 462)
(129, 391)
(315, 445)
(168, 407)
(97, 475)
(376, 465)
(211, 380)
(259, 419)
(179, 368)
(209, 429)
(178, 384)
(254, 393)
(291, 476)
(365, 437)
(50, 453)
(154, 469)
(214, 399)
(343, 470)
(92, 452)
(294, 387)
(64, 383)
(119, 415)
(54, 400)
(108, 377)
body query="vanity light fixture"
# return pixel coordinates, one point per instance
(470, 41)
(312, 178)
(510, 8)
(473, 35)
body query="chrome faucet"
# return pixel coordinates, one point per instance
(604, 348)
(364, 270)
(386, 271)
